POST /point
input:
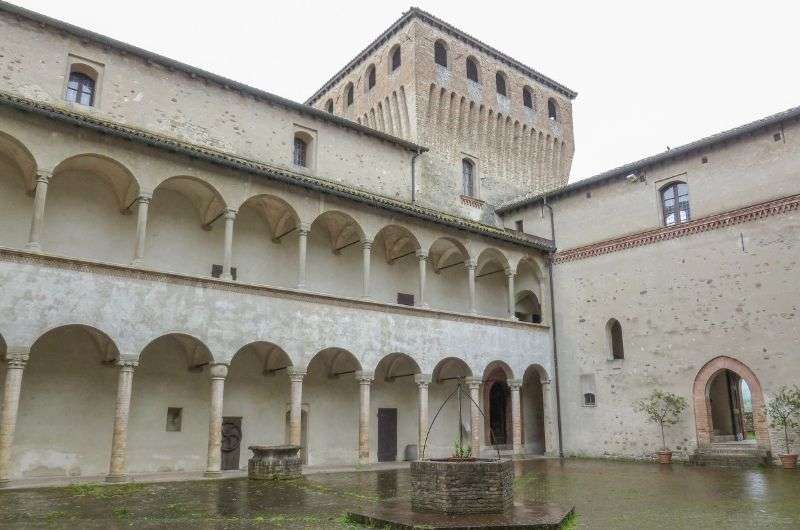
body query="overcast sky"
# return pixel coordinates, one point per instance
(648, 75)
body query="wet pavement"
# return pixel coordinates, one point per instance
(605, 495)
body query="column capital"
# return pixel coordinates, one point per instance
(366, 244)
(545, 381)
(514, 384)
(127, 364)
(303, 229)
(296, 375)
(422, 255)
(17, 358)
(365, 377)
(44, 175)
(218, 371)
(144, 197)
(470, 264)
(510, 273)
(473, 382)
(422, 379)
(230, 214)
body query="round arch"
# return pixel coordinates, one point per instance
(491, 260)
(192, 350)
(270, 357)
(334, 362)
(450, 368)
(702, 404)
(495, 367)
(106, 348)
(341, 228)
(396, 365)
(398, 241)
(122, 181)
(206, 199)
(446, 252)
(280, 216)
(20, 157)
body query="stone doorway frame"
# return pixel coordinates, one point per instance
(702, 403)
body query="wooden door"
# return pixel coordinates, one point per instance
(231, 442)
(387, 435)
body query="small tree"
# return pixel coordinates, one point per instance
(663, 408)
(784, 410)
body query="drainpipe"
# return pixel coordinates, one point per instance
(553, 328)
(414, 177)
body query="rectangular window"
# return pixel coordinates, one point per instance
(518, 225)
(174, 419)
(405, 299)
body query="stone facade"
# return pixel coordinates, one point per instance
(168, 263)
(457, 488)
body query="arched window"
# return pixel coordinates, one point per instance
(348, 94)
(527, 97)
(300, 152)
(370, 77)
(329, 106)
(468, 177)
(440, 53)
(395, 64)
(80, 89)
(472, 69)
(552, 109)
(675, 203)
(614, 333)
(500, 83)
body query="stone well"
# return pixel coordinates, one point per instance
(274, 462)
(462, 486)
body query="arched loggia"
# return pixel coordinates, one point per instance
(453, 422)
(535, 401)
(497, 404)
(491, 283)
(396, 428)
(17, 181)
(395, 266)
(335, 254)
(448, 275)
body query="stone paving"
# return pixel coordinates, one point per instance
(605, 494)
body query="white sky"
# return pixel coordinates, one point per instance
(648, 74)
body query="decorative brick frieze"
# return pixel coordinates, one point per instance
(697, 226)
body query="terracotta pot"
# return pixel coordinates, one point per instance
(789, 461)
(665, 457)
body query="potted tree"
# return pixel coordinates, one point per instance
(783, 410)
(663, 408)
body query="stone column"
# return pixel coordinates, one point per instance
(143, 203)
(516, 416)
(296, 407)
(475, 418)
(15, 365)
(470, 265)
(511, 295)
(230, 216)
(117, 470)
(422, 257)
(550, 419)
(364, 383)
(37, 222)
(218, 373)
(303, 232)
(423, 381)
(366, 248)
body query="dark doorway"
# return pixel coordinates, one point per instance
(387, 435)
(231, 442)
(731, 411)
(498, 405)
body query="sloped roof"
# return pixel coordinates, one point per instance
(415, 12)
(671, 154)
(203, 74)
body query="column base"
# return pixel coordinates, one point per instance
(33, 247)
(137, 263)
(117, 478)
(226, 277)
(212, 474)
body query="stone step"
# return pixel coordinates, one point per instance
(727, 456)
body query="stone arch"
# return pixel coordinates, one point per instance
(396, 365)
(491, 287)
(450, 368)
(537, 418)
(334, 362)
(496, 403)
(527, 306)
(395, 268)
(271, 358)
(15, 153)
(702, 406)
(67, 403)
(265, 241)
(122, 181)
(195, 353)
(498, 366)
(334, 254)
(185, 227)
(530, 277)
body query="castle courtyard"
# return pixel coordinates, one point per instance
(606, 494)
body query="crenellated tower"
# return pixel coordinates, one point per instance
(496, 129)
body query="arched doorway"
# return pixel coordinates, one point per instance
(497, 403)
(534, 437)
(729, 404)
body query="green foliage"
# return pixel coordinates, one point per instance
(784, 410)
(662, 408)
(461, 451)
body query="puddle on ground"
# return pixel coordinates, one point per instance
(605, 495)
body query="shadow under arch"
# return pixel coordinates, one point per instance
(121, 179)
(19, 156)
(395, 366)
(534, 413)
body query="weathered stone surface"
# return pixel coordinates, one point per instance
(482, 486)
(274, 462)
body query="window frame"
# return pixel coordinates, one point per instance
(300, 152)
(87, 67)
(349, 95)
(329, 106)
(371, 78)
(673, 185)
(440, 44)
(472, 60)
(473, 188)
(501, 84)
(612, 340)
(527, 98)
(552, 110)
(395, 56)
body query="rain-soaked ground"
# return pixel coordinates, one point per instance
(605, 495)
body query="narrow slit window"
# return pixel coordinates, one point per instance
(472, 69)
(468, 178)
(440, 53)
